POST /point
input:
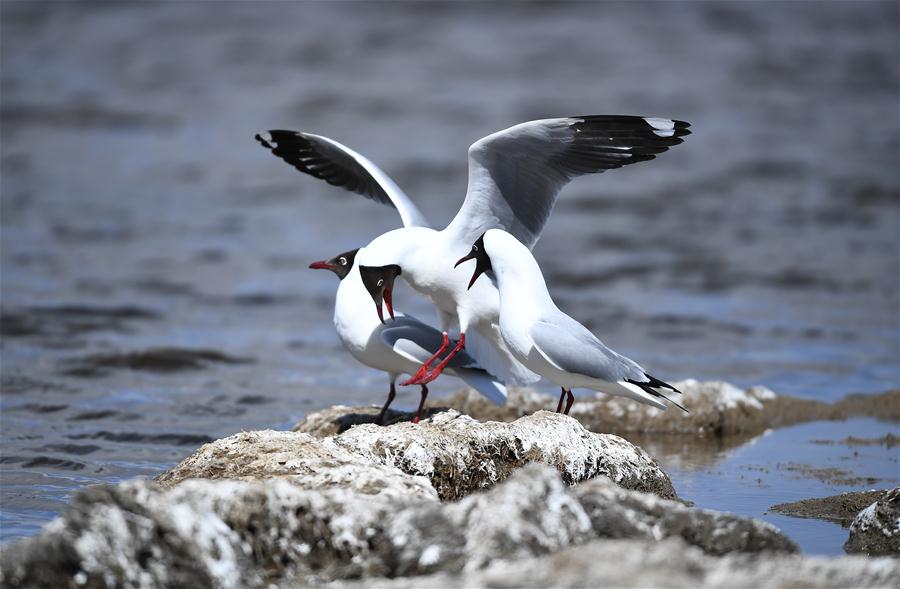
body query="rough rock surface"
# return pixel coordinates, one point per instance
(716, 408)
(670, 563)
(301, 459)
(617, 513)
(876, 530)
(841, 509)
(460, 455)
(204, 533)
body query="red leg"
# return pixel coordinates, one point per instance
(569, 401)
(421, 404)
(562, 394)
(426, 367)
(391, 395)
(440, 367)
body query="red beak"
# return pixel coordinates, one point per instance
(323, 265)
(387, 301)
(380, 313)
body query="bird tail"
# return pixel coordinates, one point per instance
(484, 383)
(659, 389)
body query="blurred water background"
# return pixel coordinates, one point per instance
(140, 219)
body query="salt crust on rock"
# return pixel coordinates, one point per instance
(460, 455)
(454, 452)
(876, 530)
(204, 533)
(303, 460)
(670, 563)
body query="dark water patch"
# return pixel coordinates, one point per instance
(696, 323)
(151, 360)
(174, 439)
(583, 279)
(43, 462)
(262, 299)
(840, 509)
(829, 475)
(80, 116)
(215, 408)
(79, 449)
(211, 256)
(95, 233)
(17, 384)
(889, 440)
(163, 287)
(38, 408)
(69, 320)
(88, 415)
(254, 400)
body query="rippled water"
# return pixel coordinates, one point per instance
(154, 285)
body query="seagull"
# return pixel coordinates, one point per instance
(548, 341)
(398, 347)
(515, 176)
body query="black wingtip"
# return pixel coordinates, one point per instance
(651, 383)
(263, 141)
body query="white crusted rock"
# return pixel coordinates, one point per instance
(641, 563)
(460, 455)
(226, 533)
(876, 530)
(305, 461)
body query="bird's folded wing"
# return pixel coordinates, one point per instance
(418, 341)
(339, 165)
(569, 346)
(516, 174)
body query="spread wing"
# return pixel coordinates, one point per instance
(516, 174)
(339, 165)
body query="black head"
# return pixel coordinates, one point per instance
(340, 264)
(379, 281)
(482, 260)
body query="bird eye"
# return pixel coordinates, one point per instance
(475, 248)
(342, 261)
(380, 282)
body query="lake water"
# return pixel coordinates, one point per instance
(138, 213)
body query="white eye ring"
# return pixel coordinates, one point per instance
(380, 282)
(475, 248)
(342, 261)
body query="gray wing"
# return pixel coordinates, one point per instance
(419, 341)
(571, 347)
(339, 165)
(516, 174)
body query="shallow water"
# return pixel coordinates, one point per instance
(138, 215)
(780, 466)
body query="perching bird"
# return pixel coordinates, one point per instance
(397, 347)
(515, 176)
(548, 341)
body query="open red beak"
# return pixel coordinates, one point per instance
(380, 313)
(323, 265)
(387, 301)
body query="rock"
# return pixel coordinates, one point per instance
(716, 408)
(460, 455)
(455, 453)
(876, 530)
(299, 458)
(617, 513)
(223, 533)
(841, 509)
(669, 563)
